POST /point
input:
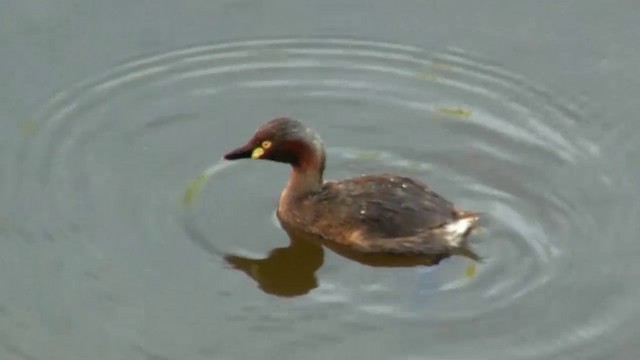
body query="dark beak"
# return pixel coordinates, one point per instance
(243, 152)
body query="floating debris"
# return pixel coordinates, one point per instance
(368, 155)
(442, 66)
(427, 75)
(415, 165)
(471, 271)
(28, 128)
(459, 112)
(194, 188)
(430, 75)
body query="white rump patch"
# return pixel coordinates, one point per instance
(455, 231)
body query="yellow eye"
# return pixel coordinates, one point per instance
(266, 144)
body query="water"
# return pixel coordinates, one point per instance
(104, 255)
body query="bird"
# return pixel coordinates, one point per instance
(381, 213)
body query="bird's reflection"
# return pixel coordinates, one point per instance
(291, 271)
(286, 271)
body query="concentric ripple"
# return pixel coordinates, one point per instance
(108, 162)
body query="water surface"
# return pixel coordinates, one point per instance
(116, 260)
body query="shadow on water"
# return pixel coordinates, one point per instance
(291, 271)
(287, 271)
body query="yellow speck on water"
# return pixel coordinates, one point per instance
(427, 75)
(414, 165)
(368, 155)
(459, 112)
(28, 128)
(470, 271)
(431, 73)
(194, 188)
(442, 66)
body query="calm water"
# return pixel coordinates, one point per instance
(103, 256)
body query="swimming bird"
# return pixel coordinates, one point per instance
(377, 213)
